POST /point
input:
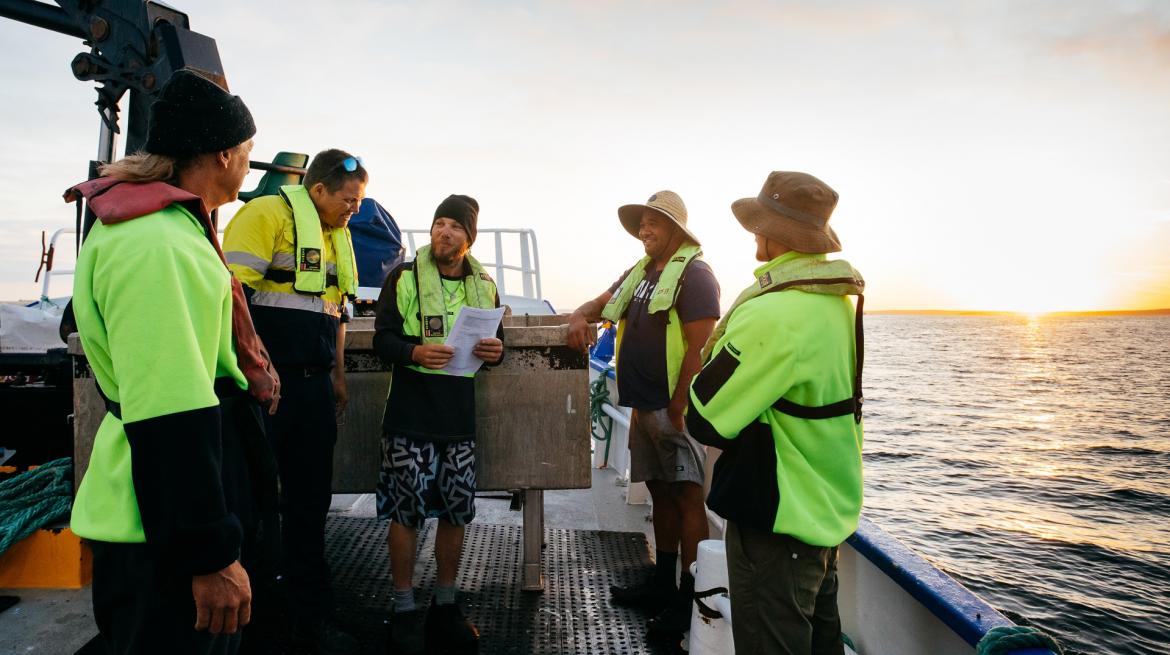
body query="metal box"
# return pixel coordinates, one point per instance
(532, 411)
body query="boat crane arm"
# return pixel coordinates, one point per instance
(134, 45)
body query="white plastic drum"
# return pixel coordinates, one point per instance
(711, 636)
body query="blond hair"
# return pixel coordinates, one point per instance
(142, 167)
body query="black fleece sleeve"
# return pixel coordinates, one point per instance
(701, 429)
(389, 341)
(176, 463)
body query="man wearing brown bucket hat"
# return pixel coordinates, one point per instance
(780, 394)
(665, 306)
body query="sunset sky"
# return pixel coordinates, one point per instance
(989, 155)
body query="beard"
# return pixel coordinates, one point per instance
(447, 255)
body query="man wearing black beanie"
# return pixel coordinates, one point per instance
(464, 210)
(428, 429)
(167, 502)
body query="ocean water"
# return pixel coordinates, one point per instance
(1029, 458)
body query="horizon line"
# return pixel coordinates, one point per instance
(1165, 311)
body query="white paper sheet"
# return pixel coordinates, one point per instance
(471, 325)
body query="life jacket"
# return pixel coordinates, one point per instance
(834, 278)
(479, 290)
(663, 299)
(311, 277)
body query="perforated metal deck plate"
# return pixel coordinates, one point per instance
(572, 615)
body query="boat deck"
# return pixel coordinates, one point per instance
(592, 539)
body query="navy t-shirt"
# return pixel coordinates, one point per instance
(642, 358)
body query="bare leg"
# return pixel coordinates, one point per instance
(402, 540)
(667, 526)
(448, 547)
(692, 520)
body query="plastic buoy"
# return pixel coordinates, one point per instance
(711, 611)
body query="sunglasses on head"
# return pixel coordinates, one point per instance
(351, 164)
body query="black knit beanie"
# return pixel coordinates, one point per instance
(463, 209)
(193, 115)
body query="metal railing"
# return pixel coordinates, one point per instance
(47, 262)
(529, 266)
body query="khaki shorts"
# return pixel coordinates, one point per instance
(660, 452)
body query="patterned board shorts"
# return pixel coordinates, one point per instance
(421, 480)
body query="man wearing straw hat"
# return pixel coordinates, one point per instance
(665, 306)
(780, 394)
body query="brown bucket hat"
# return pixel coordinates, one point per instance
(792, 209)
(667, 203)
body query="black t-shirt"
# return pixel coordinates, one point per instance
(642, 359)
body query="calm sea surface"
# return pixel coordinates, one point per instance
(1030, 459)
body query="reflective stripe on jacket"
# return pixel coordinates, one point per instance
(277, 245)
(260, 245)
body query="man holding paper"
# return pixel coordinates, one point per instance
(428, 430)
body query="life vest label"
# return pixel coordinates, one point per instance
(311, 260)
(433, 325)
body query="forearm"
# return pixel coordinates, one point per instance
(339, 360)
(692, 363)
(591, 310)
(176, 463)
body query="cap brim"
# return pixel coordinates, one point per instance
(757, 219)
(631, 216)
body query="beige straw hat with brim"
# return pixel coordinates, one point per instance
(792, 209)
(667, 203)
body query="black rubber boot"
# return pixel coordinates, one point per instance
(404, 633)
(650, 595)
(449, 632)
(675, 619)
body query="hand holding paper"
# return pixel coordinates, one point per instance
(489, 350)
(472, 328)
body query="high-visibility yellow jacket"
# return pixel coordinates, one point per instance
(261, 245)
(153, 306)
(790, 337)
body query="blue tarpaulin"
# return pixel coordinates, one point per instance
(377, 243)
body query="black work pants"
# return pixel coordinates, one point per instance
(302, 434)
(142, 601)
(143, 604)
(783, 594)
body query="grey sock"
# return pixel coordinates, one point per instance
(403, 600)
(445, 595)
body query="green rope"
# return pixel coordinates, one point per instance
(1005, 639)
(34, 499)
(598, 398)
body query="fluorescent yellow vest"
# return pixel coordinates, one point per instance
(309, 248)
(479, 290)
(663, 299)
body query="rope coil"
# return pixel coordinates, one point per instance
(34, 499)
(1005, 639)
(598, 398)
